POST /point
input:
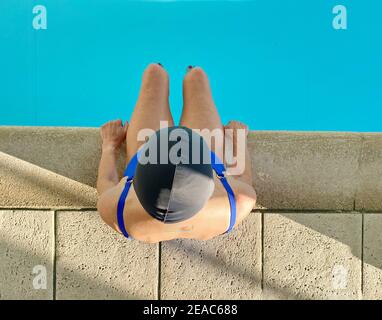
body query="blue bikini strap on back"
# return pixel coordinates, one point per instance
(130, 169)
(129, 173)
(219, 168)
(121, 206)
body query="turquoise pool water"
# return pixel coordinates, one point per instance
(275, 64)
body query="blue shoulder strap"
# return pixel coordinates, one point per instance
(219, 168)
(121, 206)
(129, 173)
(130, 169)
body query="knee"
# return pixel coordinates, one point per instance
(155, 72)
(196, 75)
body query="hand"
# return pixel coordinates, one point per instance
(232, 128)
(231, 142)
(113, 134)
(234, 125)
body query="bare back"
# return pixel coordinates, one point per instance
(211, 221)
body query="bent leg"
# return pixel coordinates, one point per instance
(199, 110)
(151, 108)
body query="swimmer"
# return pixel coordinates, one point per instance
(166, 194)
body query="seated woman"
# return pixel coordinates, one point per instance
(160, 198)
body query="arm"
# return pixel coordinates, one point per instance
(245, 192)
(107, 171)
(232, 136)
(246, 176)
(113, 134)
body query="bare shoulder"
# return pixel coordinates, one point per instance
(245, 196)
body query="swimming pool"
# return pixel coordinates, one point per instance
(275, 64)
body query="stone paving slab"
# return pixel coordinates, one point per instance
(369, 194)
(312, 256)
(305, 170)
(306, 256)
(372, 254)
(26, 255)
(226, 267)
(95, 262)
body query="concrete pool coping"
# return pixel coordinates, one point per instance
(292, 170)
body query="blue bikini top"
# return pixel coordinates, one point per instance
(217, 166)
